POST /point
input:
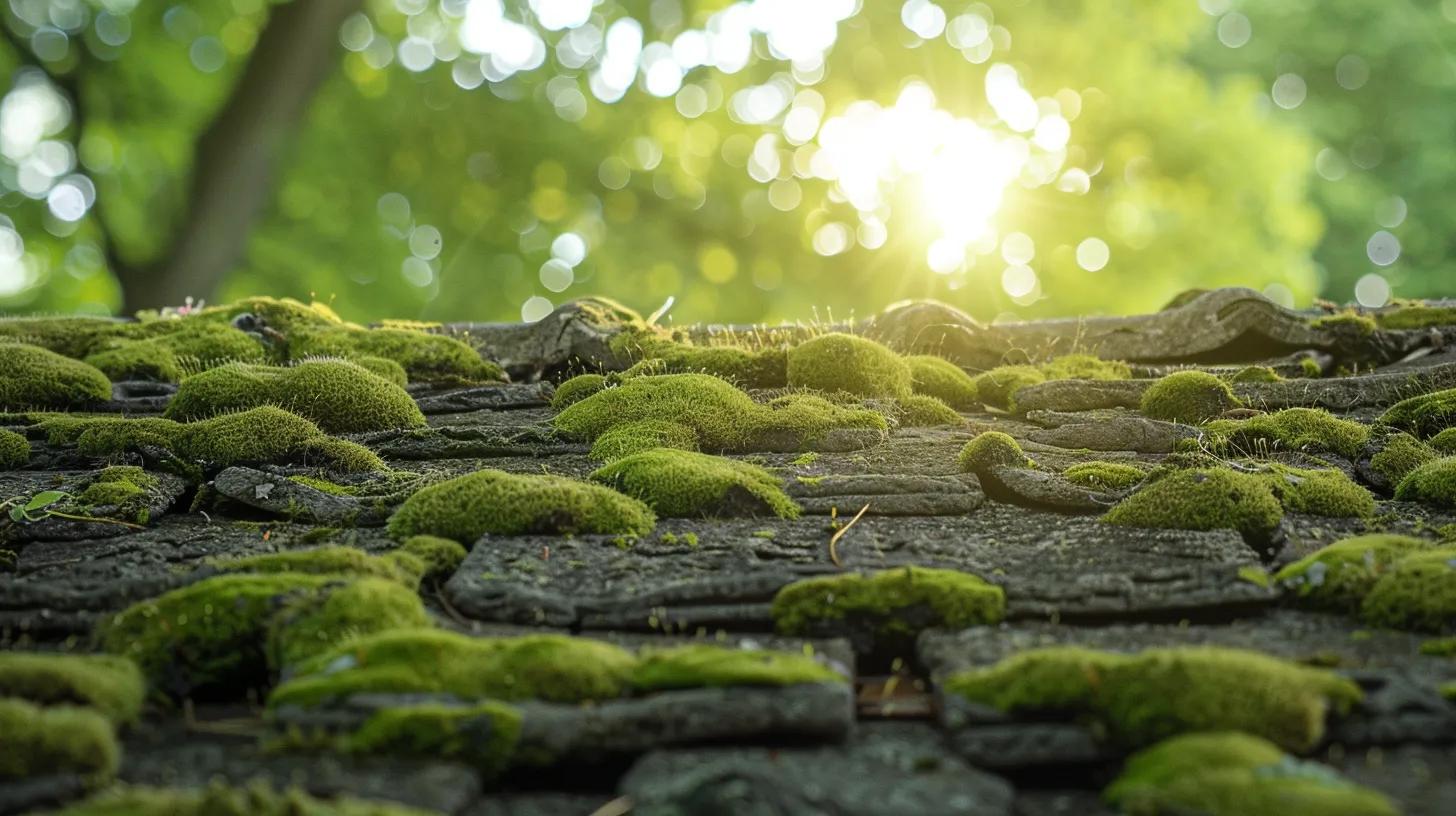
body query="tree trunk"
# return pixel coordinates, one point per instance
(236, 159)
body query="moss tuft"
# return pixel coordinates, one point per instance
(269, 434)
(124, 487)
(14, 450)
(767, 368)
(701, 665)
(557, 668)
(1192, 397)
(1142, 698)
(1255, 374)
(1211, 499)
(992, 449)
(109, 684)
(845, 362)
(1444, 442)
(807, 417)
(1417, 316)
(998, 386)
(400, 567)
(221, 800)
(1339, 576)
(1433, 483)
(1226, 773)
(384, 368)
(1400, 454)
(483, 734)
(172, 350)
(920, 411)
(1425, 415)
(1419, 593)
(1104, 475)
(577, 389)
(885, 599)
(681, 484)
(1085, 367)
(492, 501)
(1321, 492)
(280, 314)
(341, 397)
(1354, 324)
(944, 380)
(1301, 429)
(40, 741)
(425, 357)
(310, 623)
(637, 437)
(32, 377)
(440, 557)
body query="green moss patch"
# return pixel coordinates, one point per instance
(1227, 773)
(339, 396)
(14, 450)
(70, 336)
(992, 449)
(1425, 415)
(40, 741)
(279, 314)
(399, 566)
(921, 411)
(1255, 374)
(944, 380)
(887, 599)
(845, 362)
(1419, 593)
(997, 387)
(680, 484)
(1338, 577)
(766, 368)
(1104, 475)
(645, 435)
(1444, 442)
(1085, 367)
(1202, 499)
(1357, 325)
(1191, 397)
(1401, 453)
(482, 734)
(492, 501)
(577, 389)
(439, 557)
(173, 349)
(1139, 699)
(268, 434)
(1322, 492)
(382, 367)
(1301, 429)
(425, 357)
(32, 377)
(1417, 316)
(111, 685)
(222, 800)
(1433, 483)
(700, 665)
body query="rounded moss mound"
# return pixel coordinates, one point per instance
(279, 314)
(1425, 415)
(998, 386)
(1400, 453)
(683, 484)
(1300, 429)
(1433, 483)
(14, 450)
(1085, 367)
(720, 414)
(341, 397)
(845, 362)
(1255, 374)
(636, 437)
(333, 560)
(484, 734)
(577, 389)
(1192, 397)
(32, 377)
(1227, 773)
(1418, 593)
(1213, 499)
(702, 666)
(1444, 442)
(269, 435)
(41, 741)
(920, 411)
(1139, 699)
(109, 684)
(492, 501)
(221, 800)
(383, 367)
(992, 449)
(1338, 577)
(425, 357)
(310, 623)
(940, 378)
(174, 348)
(899, 601)
(1323, 492)
(1104, 475)
(440, 557)
(740, 366)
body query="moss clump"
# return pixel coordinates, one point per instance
(1425, 415)
(920, 411)
(1419, 593)
(213, 635)
(483, 734)
(31, 376)
(1158, 693)
(400, 567)
(268, 434)
(1338, 577)
(1226, 773)
(767, 368)
(14, 450)
(1311, 368)
(682, 484)
(992, 449)
(1444, 442)
(221, 800)
(425, 357)
(1417, 316)
(1400, 454)
(111, 685)
(62, 739)
(845, 362)
(557, 668)
(1105, 475)
(942, 379)
(1302, 429)
(637, 437)
(807, 417)
(1192, 397)
(341, 397)
(1203, 499)
(310, 623)
(577, 389)
(1348, 322)
(1318, 492)
(167, 356)
(440, 557)
(124, 486)
(942, 597)
(1255, 374)
(998, 386)
(700, 665)
(492, 501)
(279, 314)
(73, 337)
(1433, 483)
(1085, 367)
(384, 368)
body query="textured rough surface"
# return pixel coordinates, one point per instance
(1028, 516)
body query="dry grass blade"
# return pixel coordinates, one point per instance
(834, 541)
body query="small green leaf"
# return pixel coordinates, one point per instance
(44, 499)
(17, 513)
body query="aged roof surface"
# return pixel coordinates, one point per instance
(731, 569)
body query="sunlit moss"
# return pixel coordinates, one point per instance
(942, 379)
(492, 501)
(440, 557)
(1349, 322)
(280, 314)
(998, 386)
(383, 367)
(645, 435)
(844, 362)
(341, 397)
(1417, 316)
(700, 665)
(921, 411)
(219, 799)
(766, 368)
(425, 357)
(1338, 577)
(1433, 483)
(1085, 367)
(577, 389)
(678, 483)
(887, 599)
(1323, 492)
(398, 566)
(1418, 592)
(167, 356)
(1255, 374)
(1105, 475)
(1193, 397)
(1401, 453)
(482, 734)
(1202, 499)
(992, 449)
(32, 377)
(1302, 429)
(1444, 442)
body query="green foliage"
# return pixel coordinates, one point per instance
(645, 435)
(888, 600)
(680, 484)
(425, 357)
(1444, 442)
(992, 449)
(1105, 475)
(1425, 415)
(1401, 453)
(440, 557)
(1159, 693)
(1351, 323)
(700, 665)
(1321, 492)
(940, 378)
(1085, 367)
(31, 376)
(845, 362)
(1433, 483)
(110, 685)
(921, 411)
(492, 501)
(60, 739)
(998, 386)
(1202, 499)
(1227, 773)
(339, 396)
(1302, 429)
(767, 368)
(14, 450)
(219, 799)
(1417, 316)
(483, 734)
(1419, 592)
(1192, 397)
(1339, 576)
(167, 356)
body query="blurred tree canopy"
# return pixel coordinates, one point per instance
(486, 159)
